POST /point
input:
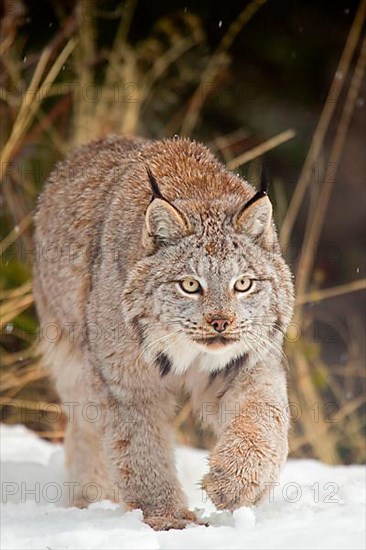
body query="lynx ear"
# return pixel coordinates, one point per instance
(163, 221)
(255, 217)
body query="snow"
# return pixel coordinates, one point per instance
(315, 506)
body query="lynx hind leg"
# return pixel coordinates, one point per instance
(85, 464)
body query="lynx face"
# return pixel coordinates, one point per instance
(212, 287)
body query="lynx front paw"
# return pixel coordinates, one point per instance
(180, 520)
(228, 492)
(241, 475)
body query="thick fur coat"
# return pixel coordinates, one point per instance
(154, 273)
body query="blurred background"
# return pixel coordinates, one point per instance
(273, 85)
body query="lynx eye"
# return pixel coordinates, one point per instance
(190, 286)
(244, 284)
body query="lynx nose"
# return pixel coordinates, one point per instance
(220, 325)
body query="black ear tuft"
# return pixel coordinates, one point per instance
(263, 192)
(264, 182)
(154, 184)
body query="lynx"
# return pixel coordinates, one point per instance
(161, 271)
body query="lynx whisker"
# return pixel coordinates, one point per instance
(155, 342)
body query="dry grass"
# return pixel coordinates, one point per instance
(58, 117)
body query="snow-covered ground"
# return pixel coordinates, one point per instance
(315, 506)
